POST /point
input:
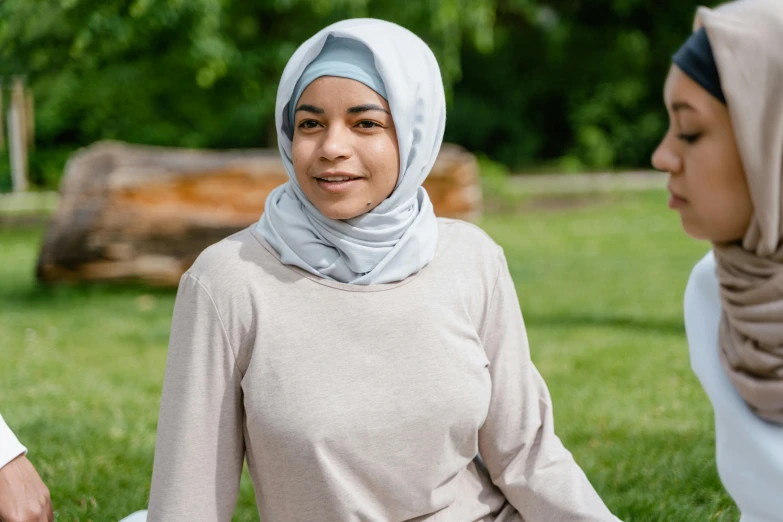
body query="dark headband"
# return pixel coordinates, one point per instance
(696, 60)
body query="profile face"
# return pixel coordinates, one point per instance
(344, 149)
(707, 180)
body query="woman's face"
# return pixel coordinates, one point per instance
(707, 181)
(345, 152)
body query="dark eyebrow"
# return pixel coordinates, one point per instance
(682, 106)
(366, 107)
(309, 108)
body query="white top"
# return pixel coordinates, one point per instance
(10, 447)
(749, 450)
(359, 402)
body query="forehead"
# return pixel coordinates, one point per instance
(340, 90)
(678, 84)
(681, 88)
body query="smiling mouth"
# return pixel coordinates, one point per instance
(337, 184)
(337, 179)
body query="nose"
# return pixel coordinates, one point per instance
(665, 159)
(336, 144)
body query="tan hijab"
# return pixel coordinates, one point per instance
(747, 41)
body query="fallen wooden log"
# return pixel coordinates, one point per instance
(129, 212)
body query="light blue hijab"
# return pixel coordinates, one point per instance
(398, 237)
(344, 58)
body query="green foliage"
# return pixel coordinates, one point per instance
(577, 82)
(45, 167)
(567, 84)
(194, 73)
(5, 173)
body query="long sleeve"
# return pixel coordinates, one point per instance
(10, 447)
(200, 446)
(517, 442)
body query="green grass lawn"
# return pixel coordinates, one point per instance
(601, 288)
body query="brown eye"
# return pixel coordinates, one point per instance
(308, 124)
(367, 124)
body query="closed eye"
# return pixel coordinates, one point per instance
(689, 138)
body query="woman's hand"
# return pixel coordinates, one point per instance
(23, 495)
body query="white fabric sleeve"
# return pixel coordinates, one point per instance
(10, 447)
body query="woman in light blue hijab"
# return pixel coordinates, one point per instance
(356, 351)
(387, 229)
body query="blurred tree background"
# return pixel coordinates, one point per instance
(552, 84)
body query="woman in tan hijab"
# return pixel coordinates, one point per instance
(724, 154)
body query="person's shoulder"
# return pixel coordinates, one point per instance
(225, 253)
(703, 281)
(702, 313)
(229, 259)
(469, 252)
(467, 237)
(702, 296)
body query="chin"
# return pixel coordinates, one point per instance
(694, 231)
(342, 212)
(700, 234)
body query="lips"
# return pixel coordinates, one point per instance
(335, 182)
(336, 177)
(675, 200)
(675, 194)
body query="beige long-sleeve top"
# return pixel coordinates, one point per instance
(359, 403)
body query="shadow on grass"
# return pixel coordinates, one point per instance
(637, 324)
(38, 294)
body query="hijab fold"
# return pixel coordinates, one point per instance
(398, 237)
(747, 43)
